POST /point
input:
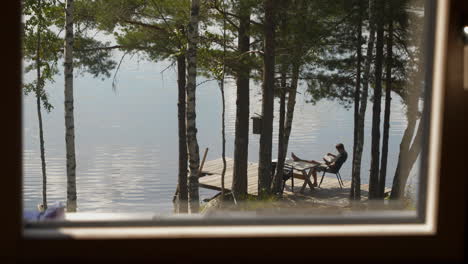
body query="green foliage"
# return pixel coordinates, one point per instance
(318, 35)
(93, 56)
(41, 45)
(331, 75)
(223, 15)
(46, 19)
(155, 28)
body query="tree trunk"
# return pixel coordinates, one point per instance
(291, 105)
(42, 148)
(223, 125)
(375, 147)
(406, 158)
(69, 115)
(363, 105)
(356, 102)
(404, 148)
(182, 206)
(407, 163)
(39, 90)
(192, 143)
(264, 167)
(241, 140)
(223, 135)
(277, 182)
(388, 98)
(409, 153)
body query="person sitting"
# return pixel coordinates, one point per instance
(331, 166)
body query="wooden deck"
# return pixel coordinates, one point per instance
(329, 189)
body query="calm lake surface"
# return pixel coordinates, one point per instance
(126, 141)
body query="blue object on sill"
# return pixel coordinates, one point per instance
(53, 212)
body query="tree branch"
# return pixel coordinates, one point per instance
(102, 48)
(138, 23)
(226, 13)
(114, 85)
(205, 81)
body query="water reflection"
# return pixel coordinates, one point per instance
(127, 141)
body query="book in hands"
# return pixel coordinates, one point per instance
(328, 158)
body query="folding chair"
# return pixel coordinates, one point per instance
(287, 174)
(338, 177)
(337, 173)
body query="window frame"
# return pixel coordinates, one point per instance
(441, 238)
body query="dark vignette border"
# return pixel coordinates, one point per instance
(447, 246)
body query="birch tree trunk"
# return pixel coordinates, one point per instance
(356, 102)
(264, 166)
(241, 140)
(39, 90)
(363, 105)
(69, 116)
(388, 98)
(223, 114)
(223, 138)
(182, 206)
(192, 143)
(376, 108)
(42, 149)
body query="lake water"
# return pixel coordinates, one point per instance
(126, 141)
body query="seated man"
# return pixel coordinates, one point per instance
(331, 166)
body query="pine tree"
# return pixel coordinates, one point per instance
(264, 166)
(375, 145)
(241, 140)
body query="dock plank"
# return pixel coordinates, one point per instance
(213, 181)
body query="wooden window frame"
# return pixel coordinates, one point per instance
(440, 237)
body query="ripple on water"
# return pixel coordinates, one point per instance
(128, 174)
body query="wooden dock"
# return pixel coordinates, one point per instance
(329, 189)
